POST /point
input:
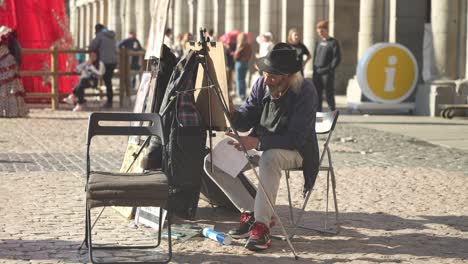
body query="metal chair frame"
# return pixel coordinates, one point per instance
(331, 118)
(95, 129)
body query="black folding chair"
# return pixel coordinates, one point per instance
(325, 125)
(104, 189)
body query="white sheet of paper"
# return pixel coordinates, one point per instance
(141, 98)
(227, 158)
(142, 93)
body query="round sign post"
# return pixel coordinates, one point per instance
(387, 73)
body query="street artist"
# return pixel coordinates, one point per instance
(281, 112)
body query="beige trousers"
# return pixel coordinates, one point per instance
(271, 165)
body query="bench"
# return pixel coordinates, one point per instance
(449, 110)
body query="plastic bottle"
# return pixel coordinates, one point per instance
(216, 236)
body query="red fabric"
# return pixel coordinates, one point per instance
(8, 18)
(39, 24)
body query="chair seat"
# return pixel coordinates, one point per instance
(127, 189)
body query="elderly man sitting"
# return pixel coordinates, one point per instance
(281, 115)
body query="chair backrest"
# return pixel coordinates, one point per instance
(326, 121)
(154, 127)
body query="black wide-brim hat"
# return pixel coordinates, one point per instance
(281, 59)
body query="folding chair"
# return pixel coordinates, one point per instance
(125, 189)
(325, 124)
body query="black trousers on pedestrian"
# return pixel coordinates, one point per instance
(325, 82)
(83, 83)
(107, 77)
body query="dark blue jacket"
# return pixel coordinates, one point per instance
(301, 107)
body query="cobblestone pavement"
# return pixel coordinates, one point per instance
(401, 200)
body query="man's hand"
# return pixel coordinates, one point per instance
(249, 142)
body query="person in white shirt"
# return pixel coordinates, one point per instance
(91, 70)
(265, 43)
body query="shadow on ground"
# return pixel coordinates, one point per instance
(392, 236)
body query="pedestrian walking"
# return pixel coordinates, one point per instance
(104, 44)
(327, 57)
(133, 44)
(265, 43)
(242, 55)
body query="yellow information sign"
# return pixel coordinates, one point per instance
(387, 73)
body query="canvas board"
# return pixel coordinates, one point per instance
(143, 104)
(206, 99)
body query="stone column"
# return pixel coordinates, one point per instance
(270, 17)
(181, 17)
(219, 19)
(251, 12)
(284, 20)
(170, 16)
(111, 14)
(371, 31)
(130, 18)
(371, 24)
(96, 13)
(314, 11)
(406, 26)
(462, 39)
(88, 24)
(82, 27)
(192, 6)
(72, 20)
(204, 15)
(293, 16)
(76, 32)
(233, 15)
(466, 43)
(442, 87)
(444, 29)
(103, 12)
(143, 20)
(124, 17)
(79, 27)
(339, 27)
(119, 8)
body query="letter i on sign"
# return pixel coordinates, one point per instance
(390, 74)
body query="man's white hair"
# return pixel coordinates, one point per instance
(296, 81)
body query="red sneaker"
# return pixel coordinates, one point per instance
(259, 238)
(246, 223)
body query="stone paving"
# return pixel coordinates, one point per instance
(401, 200)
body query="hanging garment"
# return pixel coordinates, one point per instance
(11, 90)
